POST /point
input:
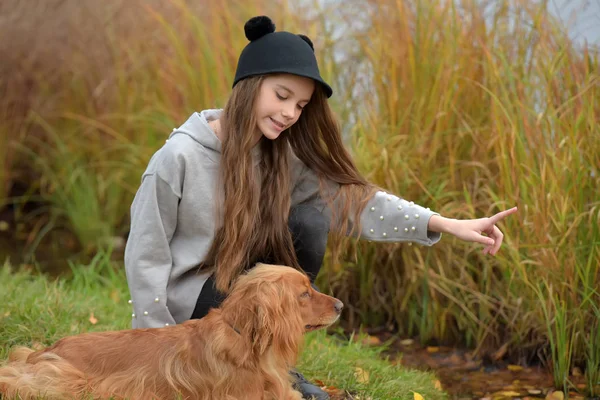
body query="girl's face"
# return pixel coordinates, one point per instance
(280, 102)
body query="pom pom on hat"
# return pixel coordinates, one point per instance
(258, 27)
(307, 40)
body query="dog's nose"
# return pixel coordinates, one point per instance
(339, 306)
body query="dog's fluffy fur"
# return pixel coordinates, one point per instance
(243, 350)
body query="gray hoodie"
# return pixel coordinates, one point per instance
(173, 221)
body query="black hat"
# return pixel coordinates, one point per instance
(277, 52)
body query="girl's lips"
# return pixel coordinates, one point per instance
(277, 125)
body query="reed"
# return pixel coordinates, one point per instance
(476, 108)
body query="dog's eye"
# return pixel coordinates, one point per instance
(305, 294)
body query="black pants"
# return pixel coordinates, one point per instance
(309, 229)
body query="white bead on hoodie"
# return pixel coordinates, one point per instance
(173, 221)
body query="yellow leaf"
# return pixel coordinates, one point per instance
(514, 368)
(369, 340)
(437, 384)
(433, 349)
(114, 295)
(93, 320)
(361, 375)
(558, 395)
(417, 396)
(507, 393)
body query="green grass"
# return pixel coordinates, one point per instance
(35, 310)
(339, 363)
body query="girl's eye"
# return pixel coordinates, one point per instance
(280, 97)
(300, 107)
(305, 294)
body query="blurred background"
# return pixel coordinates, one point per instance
(468, 107)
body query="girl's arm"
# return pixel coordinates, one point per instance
(386, 218)
(406, 221)
(148, 259)
(389, 218)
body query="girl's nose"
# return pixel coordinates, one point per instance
(289, 111)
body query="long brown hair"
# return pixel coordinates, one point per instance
(256, 201)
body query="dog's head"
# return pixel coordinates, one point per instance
(275, 305)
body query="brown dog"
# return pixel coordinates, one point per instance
(243, 350)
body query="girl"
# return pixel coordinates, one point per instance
(264, 179)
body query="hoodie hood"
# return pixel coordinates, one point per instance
(199, 130)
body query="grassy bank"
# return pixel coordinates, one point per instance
(468, 110)
(37, 311)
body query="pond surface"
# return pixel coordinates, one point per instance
(466, 377)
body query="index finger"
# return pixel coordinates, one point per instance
(502, 214)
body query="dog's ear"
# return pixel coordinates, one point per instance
(278, 323)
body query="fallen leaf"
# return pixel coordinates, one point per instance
(576, 371)
(93, 320)
(534, 391)
(417, 396)
(406, 342)
(369, 340)
(332, 391)
(433, 349)
(6, 314)
(319, 382)
(361, 375)
(498, 354)
(558, 395)
(514, 368)
(507, 393)
(437, 384)
(455, 359)
(114, 295)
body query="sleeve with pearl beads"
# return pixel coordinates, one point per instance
(386, 218)
(389, 218)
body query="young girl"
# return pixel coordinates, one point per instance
(264, 179)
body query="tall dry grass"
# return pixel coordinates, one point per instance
(467, 110)
(472, 117)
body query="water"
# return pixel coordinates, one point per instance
(580, 17)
